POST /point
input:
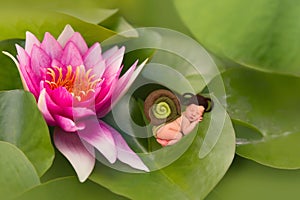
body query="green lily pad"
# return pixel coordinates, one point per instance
(69, 188)
(266, 107)
(15, 23)
(22, 124)
(261, 34)
(189, 177)
(248, 180)
(154, 13)
(190, 60)
(60, 168)
(108, 18)
(170, 67)
(17, 174)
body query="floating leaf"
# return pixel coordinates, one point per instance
(108, 18)
(248, 180)
(262, 34)
(69, 188)
(189, 177)
(154, 13)
(15, 23)
(17, 174)
(265, 106)
(190, 60)
(60, 168)
(22, 124)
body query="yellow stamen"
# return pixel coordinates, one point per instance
(78, 82)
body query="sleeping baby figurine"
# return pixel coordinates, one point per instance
(172, 131)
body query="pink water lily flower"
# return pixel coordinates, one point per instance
(74, 87)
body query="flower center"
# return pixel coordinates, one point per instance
(78, 82)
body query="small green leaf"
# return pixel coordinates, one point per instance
(17, 174)
(22, 124)
(69, 188)
(261, 34)
(248, 180)
(266, 105)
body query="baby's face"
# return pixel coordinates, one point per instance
(194, 112)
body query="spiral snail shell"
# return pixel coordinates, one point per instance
(162, 106)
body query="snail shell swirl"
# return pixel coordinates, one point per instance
(161, 106)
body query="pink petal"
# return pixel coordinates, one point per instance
(80, 113)
(39, 60)
(65, 35)
(105, 91)
(51, 47)
(61, 96)
(81, 156)
(122, 86)
(56, 63)
(124, 153)
(114, 62)
(22, 56)
(92, 56)
(89, 101)
(67, 124)
(104, 99)
(31, 79)
(42, 105)
(123, 83)
(116, 57)
(30, 41)
(108, 53)
(126, 81)
(99, 68)
(71, 55)
(106, 88)
(56, 103)
(100, 138)
(56, 108)
(80, 43)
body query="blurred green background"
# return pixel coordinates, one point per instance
(247, 37)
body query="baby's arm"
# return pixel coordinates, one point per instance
(188, 126)
(167, 131)
(175, 140)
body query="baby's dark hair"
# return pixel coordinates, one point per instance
(189, 98)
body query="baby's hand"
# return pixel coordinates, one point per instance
(200, 119)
